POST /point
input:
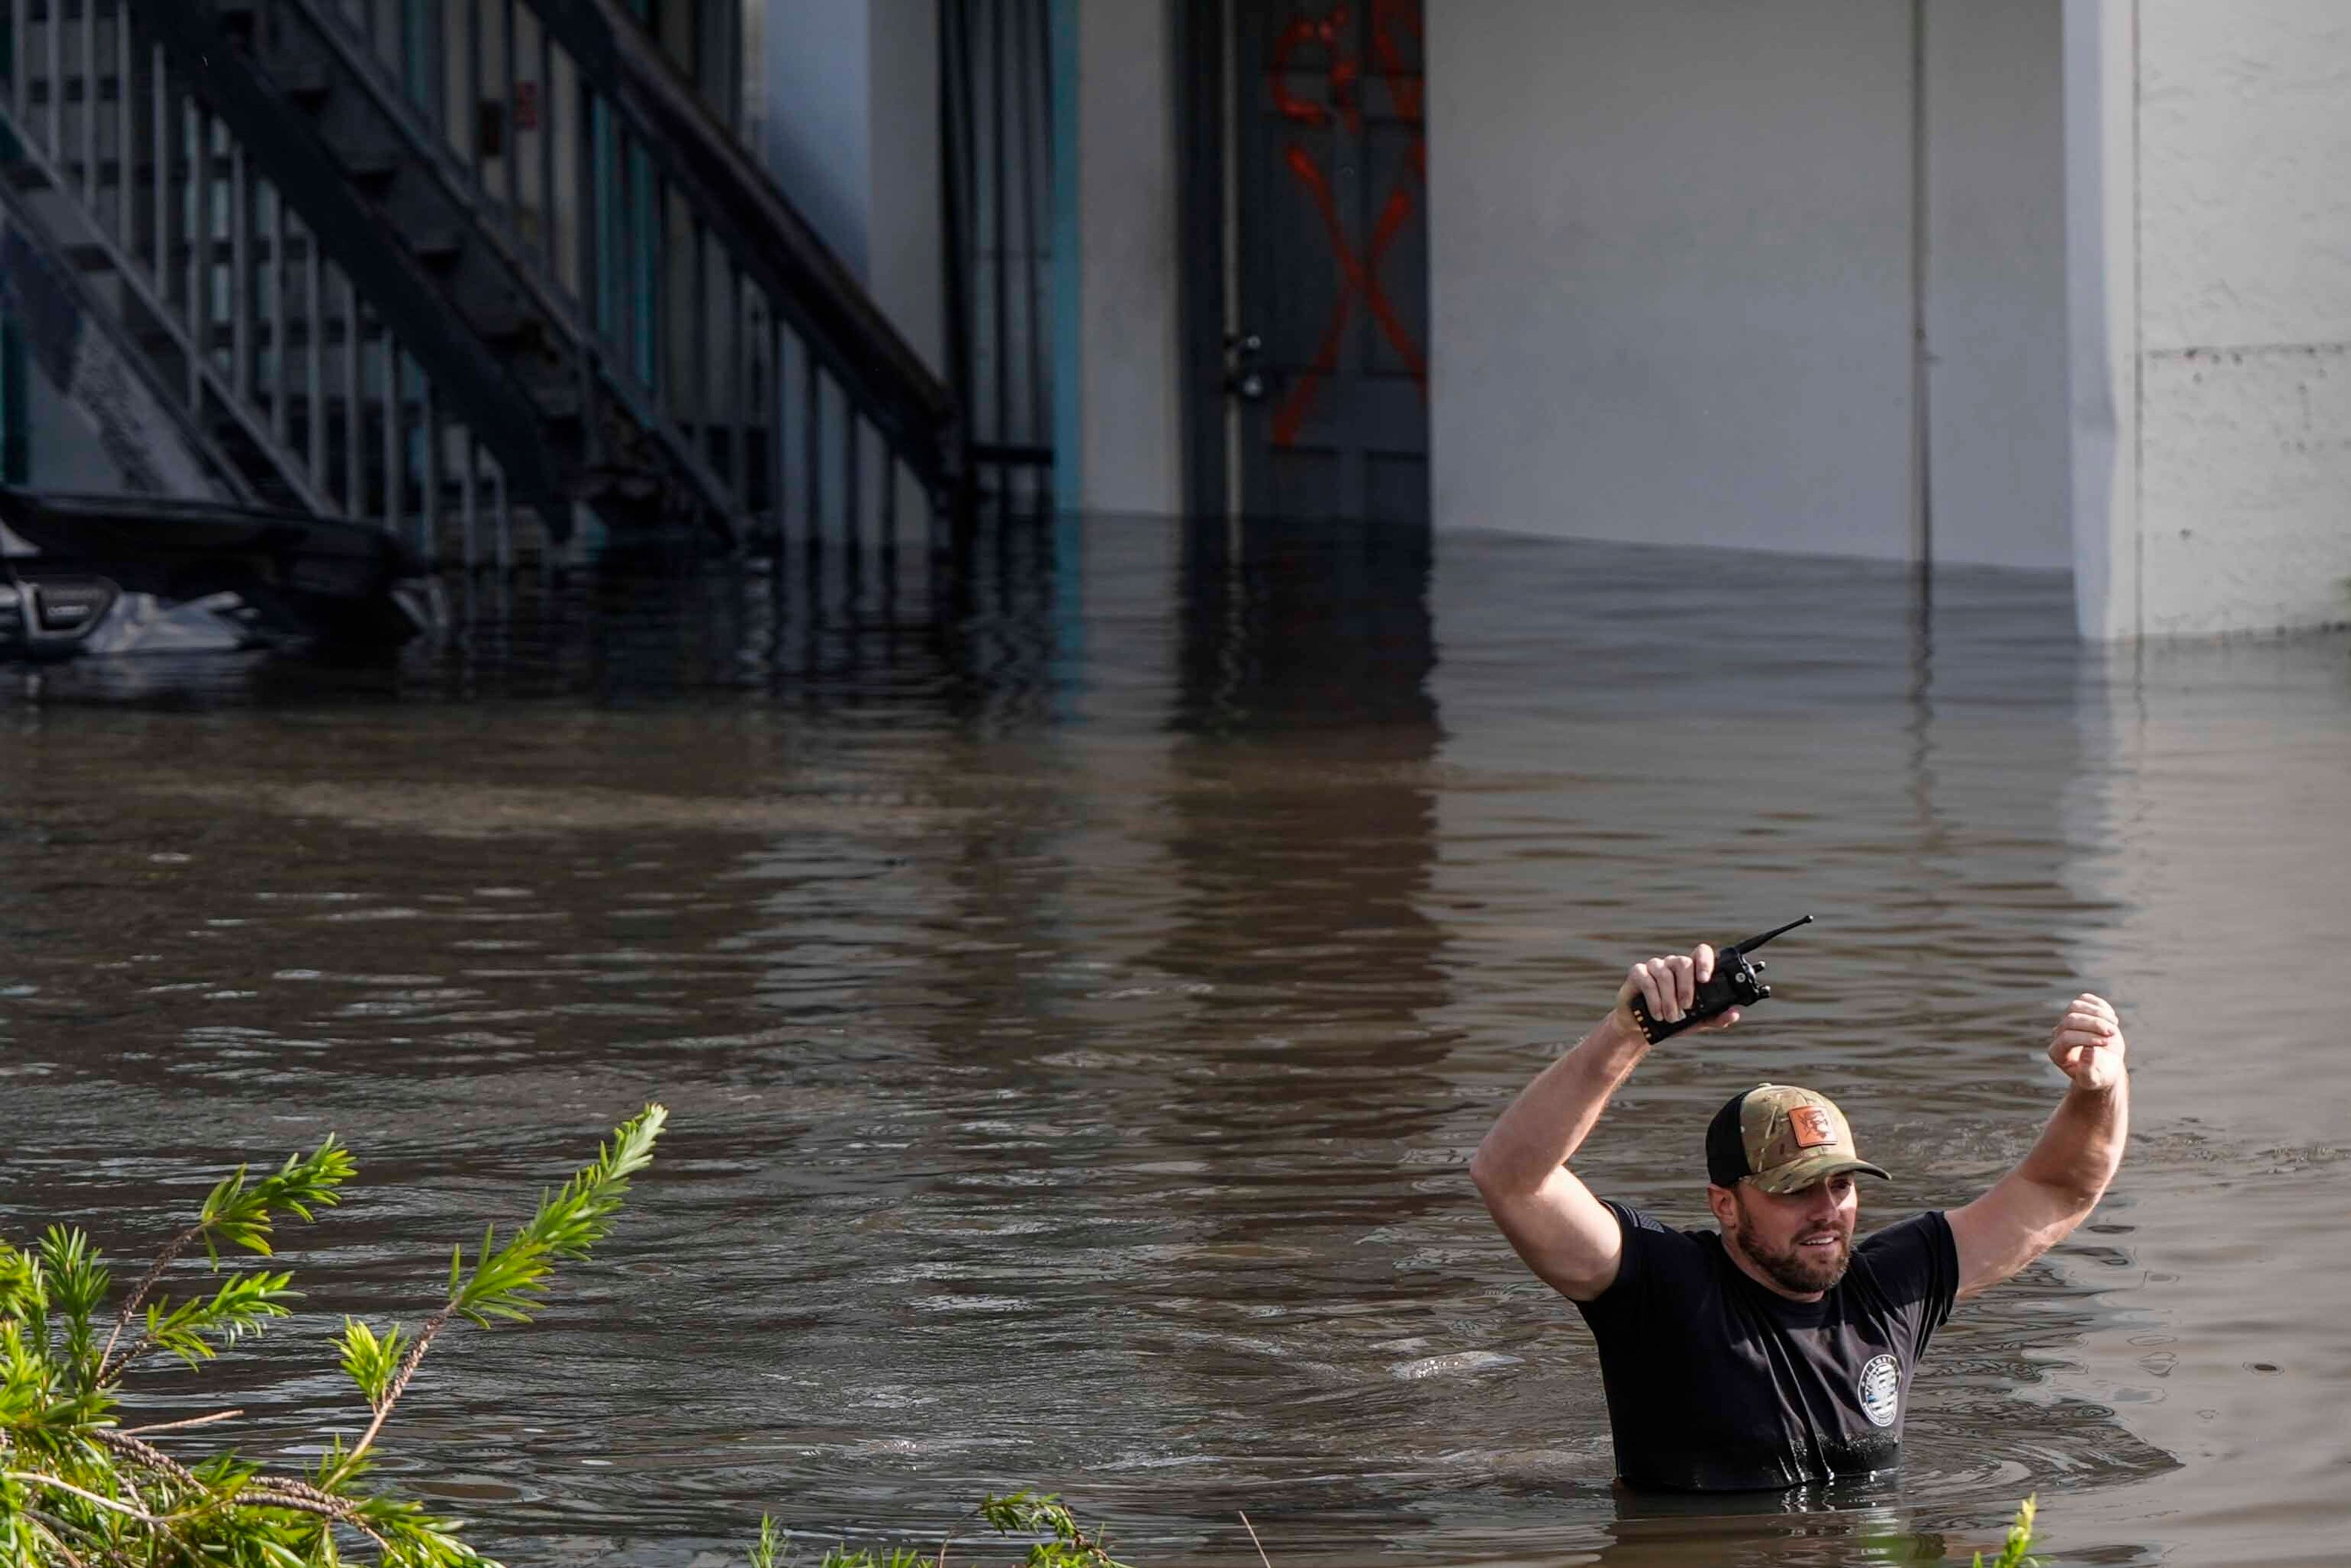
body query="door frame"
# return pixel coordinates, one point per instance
(1201, 34)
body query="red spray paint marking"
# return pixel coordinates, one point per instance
(1405, 89)
(1359, 273)
(1328, 33)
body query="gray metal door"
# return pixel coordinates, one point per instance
(1329, 355)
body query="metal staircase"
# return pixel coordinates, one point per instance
(458, 267)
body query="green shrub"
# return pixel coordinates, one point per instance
(1062, 1544)
(2020, 1538)
(77, 1488)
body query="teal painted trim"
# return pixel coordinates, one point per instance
(420, 30)
(646, 281)
(16, 366)
(1068, 257)
(605, 218)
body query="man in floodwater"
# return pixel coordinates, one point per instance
(1777, 1353)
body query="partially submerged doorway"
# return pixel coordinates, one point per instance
(1305, 259)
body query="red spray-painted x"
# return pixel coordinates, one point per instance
(1359, 272)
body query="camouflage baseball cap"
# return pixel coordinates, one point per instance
(1782, 1138)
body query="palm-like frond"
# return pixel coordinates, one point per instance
(510, 1281)
(236, 1213)
(77, 1489)
(197, 1329)
(78, 1283)
(372, 1361)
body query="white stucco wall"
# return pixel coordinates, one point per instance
(1670, 270)
(2243, 236)
(845, 100)
(812, 97)
(1672, 280)
(66, 452)
(1995, 296)
(906, 238)
(1130, 411)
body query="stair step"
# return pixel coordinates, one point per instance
(373, 167)
(505, 325)
(305, 84)
(393, 161)
(555, 396)
(437, 247)
(240, 18)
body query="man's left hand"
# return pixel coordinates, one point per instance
(2087, 1044)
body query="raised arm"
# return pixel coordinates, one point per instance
(1564, 1234)
(2038, 1204)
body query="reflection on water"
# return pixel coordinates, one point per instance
(1080, 968)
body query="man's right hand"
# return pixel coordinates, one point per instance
(1668, 986)
(1568, 1237)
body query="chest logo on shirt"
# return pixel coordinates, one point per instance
(1881, 1389)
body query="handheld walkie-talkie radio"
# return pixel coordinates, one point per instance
(1735, 984)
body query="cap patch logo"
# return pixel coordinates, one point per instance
(1812, 1126)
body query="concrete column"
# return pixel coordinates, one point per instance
(1130, 428)
(2100, 45)
(2208, 272)
(2244, 298)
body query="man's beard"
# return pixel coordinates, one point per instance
(1796, 1268)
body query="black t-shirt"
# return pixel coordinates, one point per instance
(1716, 1384)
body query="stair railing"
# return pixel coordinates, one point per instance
(675, 254)
(277, 357)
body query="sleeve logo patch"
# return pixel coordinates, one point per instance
(1881, 1389)
(1812, 1126)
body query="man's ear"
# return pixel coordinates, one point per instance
(1724, 1203)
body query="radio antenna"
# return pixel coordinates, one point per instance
(1754, 942)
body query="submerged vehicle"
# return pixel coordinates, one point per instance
(97, 575)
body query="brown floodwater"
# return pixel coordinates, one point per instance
(1080, 979)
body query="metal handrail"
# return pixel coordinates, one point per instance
(663, 179)
(546, 292)
(770, 239)
(658, 334)
(286, 469)
(201, 451)
(391, 278)
(189, 259)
